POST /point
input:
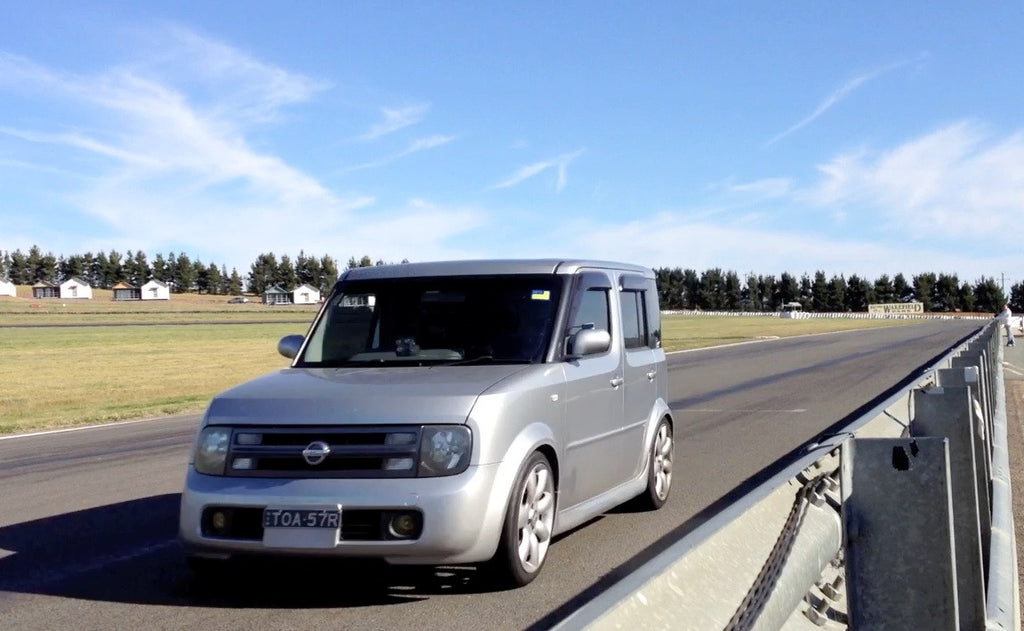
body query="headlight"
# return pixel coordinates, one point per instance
(444, 450)
(212, 450)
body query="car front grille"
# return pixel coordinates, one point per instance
(347, 452)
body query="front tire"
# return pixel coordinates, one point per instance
(529, 521)
(659, 468)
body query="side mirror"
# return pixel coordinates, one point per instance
(590, 342)
(289, 345)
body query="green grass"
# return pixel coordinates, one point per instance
(172, 357)
(688, 332)
(64, 376)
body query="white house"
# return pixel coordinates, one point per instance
(74, 288)
(7, 288)
(156, 290)
(305, 295)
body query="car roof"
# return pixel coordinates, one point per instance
(488, 267)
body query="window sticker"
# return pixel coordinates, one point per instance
(540, 294)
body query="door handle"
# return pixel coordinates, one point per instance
(651, 375)
(617, 381)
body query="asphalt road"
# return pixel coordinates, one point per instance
(88, 517)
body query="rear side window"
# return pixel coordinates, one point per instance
(634, 326)
(653, 311)
(641, 316)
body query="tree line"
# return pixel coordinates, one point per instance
(712, 290)
(104, 270)
(715, 289)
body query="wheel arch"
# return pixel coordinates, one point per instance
(536, 437)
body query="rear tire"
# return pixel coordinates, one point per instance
(659, 468)
(529, 521)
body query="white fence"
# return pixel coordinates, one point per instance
(832, 315)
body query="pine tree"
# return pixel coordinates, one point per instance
(262, 273)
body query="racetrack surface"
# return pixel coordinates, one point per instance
(88, 517)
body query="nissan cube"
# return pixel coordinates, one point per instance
(460, 412)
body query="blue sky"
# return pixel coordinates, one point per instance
(860, 137)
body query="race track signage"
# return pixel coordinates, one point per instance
(897, 308)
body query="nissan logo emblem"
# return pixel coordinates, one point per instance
(316, 452)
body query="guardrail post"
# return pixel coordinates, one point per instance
(980, 423)
(947, 412)
(981, 364)
(898, 523)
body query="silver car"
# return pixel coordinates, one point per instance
(458, 412)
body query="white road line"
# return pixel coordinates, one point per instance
(85, 427)
(75, 570)
(1008, 367)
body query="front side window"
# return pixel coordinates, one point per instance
(421, 321)
(592, 312)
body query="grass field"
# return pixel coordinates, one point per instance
(170, 357)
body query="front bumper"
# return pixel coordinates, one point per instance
(461, 522)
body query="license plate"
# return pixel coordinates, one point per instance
(305, 527)
(301, 517)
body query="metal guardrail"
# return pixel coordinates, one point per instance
(830, 315)
(902, 520)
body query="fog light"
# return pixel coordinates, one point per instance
(219, 521)
(242, 463)
(404, 525)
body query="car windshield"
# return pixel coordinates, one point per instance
(436, 320)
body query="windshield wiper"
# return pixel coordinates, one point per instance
(487, 359)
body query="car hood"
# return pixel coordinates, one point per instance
(348, 396)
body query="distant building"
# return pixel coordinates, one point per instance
(124, 291)
(306, 295)
(276, 296)
(156, 290)
(7, 288)
(792, 310)
(44, 289)
(75, 289)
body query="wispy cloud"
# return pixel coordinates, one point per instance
(654, 241)
(21, 73)
(427, 143)
(764, 188)
(158, 155)
(559, 163)
(416, 146)
(955, 183)
(837, 96)
(158, 151)
(79, 141)
(247, 88)
(395, 119)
